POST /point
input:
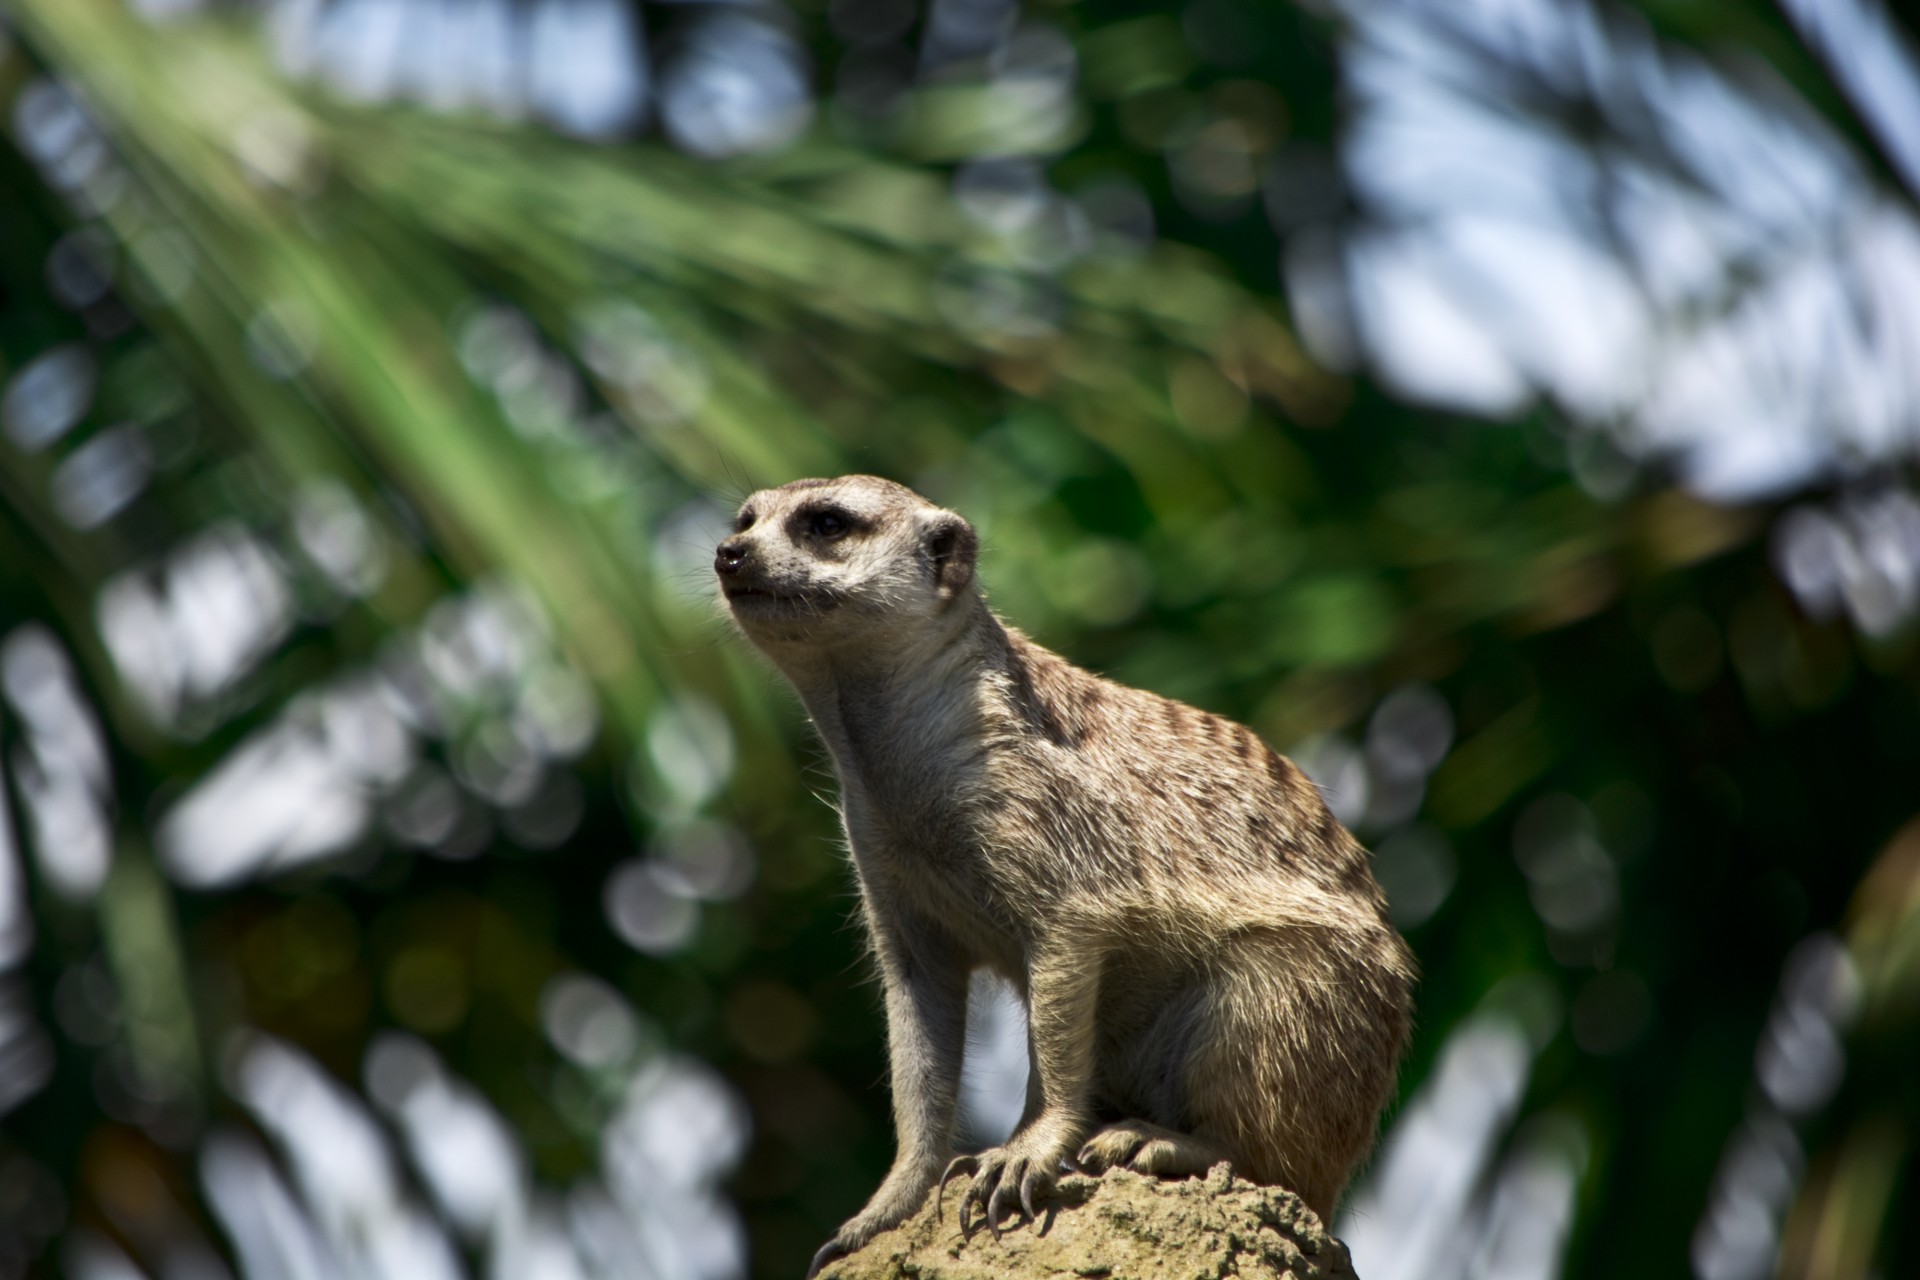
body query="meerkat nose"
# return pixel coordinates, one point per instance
(730, 557)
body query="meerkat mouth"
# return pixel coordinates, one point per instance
(742, 592)
(760, 597)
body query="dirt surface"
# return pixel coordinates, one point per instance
(1122, 1226)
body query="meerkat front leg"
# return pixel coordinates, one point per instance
(925, 973)
(1063, 985)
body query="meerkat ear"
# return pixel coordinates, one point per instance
(951, 546)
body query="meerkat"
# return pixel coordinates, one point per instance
(1201, 947)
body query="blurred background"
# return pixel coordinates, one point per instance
(1511, 408)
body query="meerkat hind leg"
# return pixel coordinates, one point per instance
(1149, 1148)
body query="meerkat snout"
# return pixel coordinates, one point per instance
(728, 560)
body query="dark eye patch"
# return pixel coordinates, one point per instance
(744, 521)
(831, 522)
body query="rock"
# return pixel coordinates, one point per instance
(1121, 1226)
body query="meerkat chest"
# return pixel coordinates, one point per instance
(930, 867)
(929, 835)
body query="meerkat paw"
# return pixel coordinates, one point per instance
(1006, 1181)
(896, 1200)
(850, 1238)
(1148, 1148)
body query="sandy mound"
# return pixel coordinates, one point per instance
(1122, 1226)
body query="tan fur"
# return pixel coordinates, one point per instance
(1201, 946)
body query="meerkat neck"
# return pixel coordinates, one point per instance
(857, 696)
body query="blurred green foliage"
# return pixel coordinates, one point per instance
(535, 370)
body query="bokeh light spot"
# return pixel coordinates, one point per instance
(427, 988)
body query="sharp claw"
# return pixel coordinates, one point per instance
(1005, 1199)
(976, 1195)
(1026, 1192)
(828, 1252)
(954, 1167)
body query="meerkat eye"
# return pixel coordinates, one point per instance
(828, 524)
(744, 522)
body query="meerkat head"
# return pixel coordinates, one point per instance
(847, 561)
